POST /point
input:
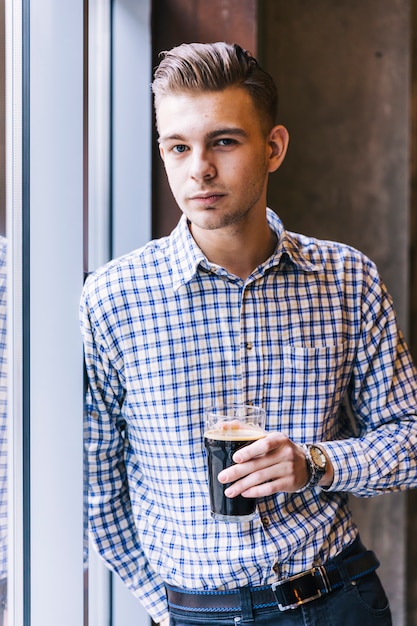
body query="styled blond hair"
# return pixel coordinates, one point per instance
(199, 68)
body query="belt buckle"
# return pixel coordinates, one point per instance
(298, 590)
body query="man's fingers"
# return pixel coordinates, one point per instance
(262, 446)
(267, 466)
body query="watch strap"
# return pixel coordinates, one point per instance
(316, 473)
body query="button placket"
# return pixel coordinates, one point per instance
(252, 368)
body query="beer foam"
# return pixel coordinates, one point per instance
(235, 434)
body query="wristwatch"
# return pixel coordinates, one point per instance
(316, 464)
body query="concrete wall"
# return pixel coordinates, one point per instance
(343, 71)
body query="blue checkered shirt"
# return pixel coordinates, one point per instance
(167, 333)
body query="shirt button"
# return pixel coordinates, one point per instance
(249, 345)
(265, 521)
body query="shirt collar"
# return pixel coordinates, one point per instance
(185, 254)
(297, 249)
(187, 257)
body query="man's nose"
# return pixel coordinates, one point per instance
(202, 166)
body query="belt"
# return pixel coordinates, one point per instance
(289, 593)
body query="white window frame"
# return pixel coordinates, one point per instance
(119, 197)
(45, 177)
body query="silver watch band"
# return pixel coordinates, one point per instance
(315, 472)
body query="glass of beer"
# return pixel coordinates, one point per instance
(228, 428)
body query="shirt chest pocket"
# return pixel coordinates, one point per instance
(312, 384)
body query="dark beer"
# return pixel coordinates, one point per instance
(221, 446)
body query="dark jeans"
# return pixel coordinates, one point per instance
(357, 604)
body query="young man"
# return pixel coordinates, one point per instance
(232, 307)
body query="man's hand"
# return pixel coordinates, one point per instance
(165, 622)
(267, 466)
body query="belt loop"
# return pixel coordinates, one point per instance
(340, 564)
(356, 547)
(246, 605)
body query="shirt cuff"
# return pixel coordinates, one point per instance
(351, 469)
(154, 601)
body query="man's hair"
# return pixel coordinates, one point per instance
(199, 68)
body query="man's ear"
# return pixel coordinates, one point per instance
(278, 143)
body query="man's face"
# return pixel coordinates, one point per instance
(216, 156)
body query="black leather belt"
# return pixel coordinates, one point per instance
(321, 580)
(289, 593)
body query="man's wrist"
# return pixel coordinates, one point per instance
(319, 467)
(327, 479)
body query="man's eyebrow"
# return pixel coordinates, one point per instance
(234, 131)
(171, 138)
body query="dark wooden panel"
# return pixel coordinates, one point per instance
(178, 21)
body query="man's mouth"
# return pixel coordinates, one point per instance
(206, 198)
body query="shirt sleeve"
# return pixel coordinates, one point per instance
(383, 399)
(111, 524)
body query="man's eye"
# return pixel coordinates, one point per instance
(226, 141)
(179, 148)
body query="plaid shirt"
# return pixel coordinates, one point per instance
(167, 333)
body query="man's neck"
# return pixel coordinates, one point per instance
(239, 253)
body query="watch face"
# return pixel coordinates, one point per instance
(318, 457)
